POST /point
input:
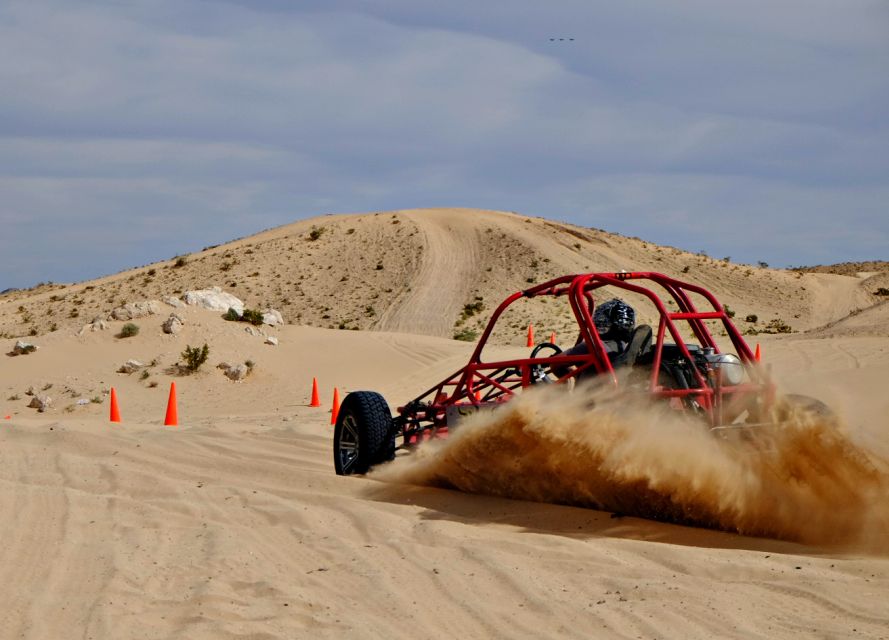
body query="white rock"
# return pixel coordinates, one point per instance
(133, 310)
(272, 317)
(234, 371)
(214, 298)
(98, 324)
(173, 324)
(41, 403)
(23, 348)
(173, 301)
(272, 340)
(130, 366)
(253, 331)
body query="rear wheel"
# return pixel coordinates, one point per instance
(363, 434)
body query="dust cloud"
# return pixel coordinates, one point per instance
(806, 482)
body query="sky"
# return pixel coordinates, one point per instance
(131, 132)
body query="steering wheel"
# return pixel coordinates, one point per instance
(539, 372)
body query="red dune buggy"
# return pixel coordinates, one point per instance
(689, 372)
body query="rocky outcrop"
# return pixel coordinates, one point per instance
(41, 403)
(214, 298)
(173, 324)
(234, 372)
(272, 340)
(173, 301)
(131, 366)
(133, 310)
(272, 317)
(22, 348)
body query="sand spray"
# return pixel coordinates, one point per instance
(806, 481)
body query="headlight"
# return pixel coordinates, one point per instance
(728, 367)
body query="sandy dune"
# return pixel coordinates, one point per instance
(233, 525)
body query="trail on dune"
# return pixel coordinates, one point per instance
(437, 291)
(805, 482)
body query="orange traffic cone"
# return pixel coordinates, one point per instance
(758, 355)
(552, 338)
(335, 409)
(530, 335)
(115, 410)
(316, 400)
(172, 418)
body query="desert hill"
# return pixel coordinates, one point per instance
(419, 271)
(234, 525)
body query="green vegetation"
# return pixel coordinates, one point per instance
(194, 357)
(128, 330)
(466, 334)
(253, 316)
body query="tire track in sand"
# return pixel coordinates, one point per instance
(442, 283)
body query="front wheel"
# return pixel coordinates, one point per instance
(363, 434)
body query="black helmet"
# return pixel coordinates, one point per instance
(614, 319)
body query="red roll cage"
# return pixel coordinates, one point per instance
(485, 383)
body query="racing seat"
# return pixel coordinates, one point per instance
(639, 344)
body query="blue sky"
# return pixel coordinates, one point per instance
(134, 131)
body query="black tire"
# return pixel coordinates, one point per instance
(363, 435)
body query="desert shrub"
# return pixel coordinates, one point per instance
(778, 326)
(751, 318)
(685, 269)
(128, 330)
(316, 233)
(253, 316)
(231, 315)
(194, 357)
(882, 291)
(181, 261)
(763, 265)
(729, 311)
(466, 334)
(472, 308)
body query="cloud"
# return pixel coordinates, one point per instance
(229, 117)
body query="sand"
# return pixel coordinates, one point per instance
(233, 524)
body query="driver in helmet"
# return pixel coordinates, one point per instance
(615, 322)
